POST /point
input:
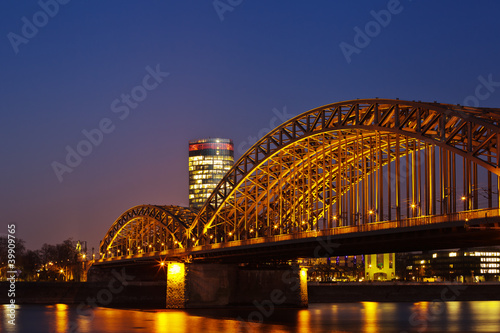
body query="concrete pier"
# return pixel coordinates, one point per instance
(220, 285)
(204, 285)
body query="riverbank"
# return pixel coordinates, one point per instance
(402, 292)
(132, 295)
(152, 294)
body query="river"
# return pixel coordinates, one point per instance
(474, 316)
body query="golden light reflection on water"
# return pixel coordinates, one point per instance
(183, 322)
(487, 313)
(110, 318)
(421, 308)
(453, 314)
(169, 321)
(84, 323)
(6, 309)
(303, 320)
(345, 317)
(370, 317)
(61, 318)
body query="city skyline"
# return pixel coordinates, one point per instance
(125, 86)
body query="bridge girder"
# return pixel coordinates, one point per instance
(342, 164)
(472, 133)
(147, 228)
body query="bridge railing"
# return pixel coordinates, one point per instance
(403, 223)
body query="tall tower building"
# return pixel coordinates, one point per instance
(209, 161)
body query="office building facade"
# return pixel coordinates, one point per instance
(380, 267)
(209, 160)
(470, 265)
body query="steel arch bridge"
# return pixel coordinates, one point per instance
(147, 229)
(343, 165)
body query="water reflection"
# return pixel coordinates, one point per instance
(453, 315)
(370, 317)
(61, 312)
(341, 317)
(165, 321)
(8, 314)
(304, 320)
(487, 313)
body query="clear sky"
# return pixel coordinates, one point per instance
(78, 66)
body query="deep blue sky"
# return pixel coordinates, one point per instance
(225, 79)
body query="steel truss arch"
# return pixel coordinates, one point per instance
(472, 133)
(154, 227)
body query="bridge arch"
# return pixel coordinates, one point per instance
(147, 228)
(328, 167)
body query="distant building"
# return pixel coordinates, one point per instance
(209, 160)
(334, 269)
(472, 265)
(380, 267)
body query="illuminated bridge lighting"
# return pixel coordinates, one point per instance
(362, 165)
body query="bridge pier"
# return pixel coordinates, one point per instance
(196, 285)
(176, 285)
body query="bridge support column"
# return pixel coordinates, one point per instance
(176, 285)
(195, 285)
(304, 297)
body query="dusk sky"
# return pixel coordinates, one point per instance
(69, 72)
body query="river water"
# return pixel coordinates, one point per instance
(476, 316)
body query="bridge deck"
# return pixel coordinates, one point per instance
(462, 229)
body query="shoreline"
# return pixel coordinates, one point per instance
(402, 292)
